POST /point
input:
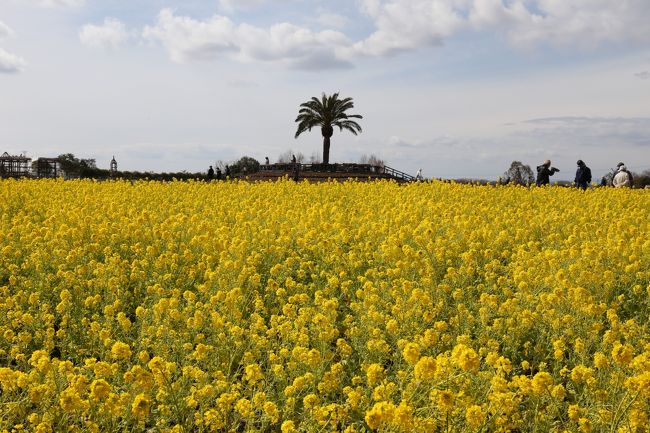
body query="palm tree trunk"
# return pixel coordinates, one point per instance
(326, 150)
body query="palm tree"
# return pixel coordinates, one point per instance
(327, 112)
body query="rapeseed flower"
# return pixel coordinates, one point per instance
(188, 306)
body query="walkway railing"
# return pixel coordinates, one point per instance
(339, 168)
(398, 174)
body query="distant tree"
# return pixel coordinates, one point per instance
(245, 164)
(327, 112)
(519, 174)
(221, 164)
(642, 180)
(286, 157)
(315, 158)
(371, 160)
(76, 167)
(609, 177)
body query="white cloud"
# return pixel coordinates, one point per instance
(10, 63)
(410, 24)
(5, 31)
(401, 25)
(62, 3)
(333, 21)
(110, 35)
(592, 131)
(286, 41)
(231, 5)
(189, 39)
(582, 23)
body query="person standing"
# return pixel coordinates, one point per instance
(418, 175)
(210, 173)
(218, 173)
(544, 171)
(622, 178)
(622, 166)
(583, 175)
(266, 160)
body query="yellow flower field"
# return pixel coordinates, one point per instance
(283, 307)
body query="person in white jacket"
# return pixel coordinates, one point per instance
(622, 178)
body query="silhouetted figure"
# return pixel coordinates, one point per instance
(583, 175)
(266, 160)
(295, 168)
(544, 171)
(622, 178)
(219, 173)
(210, 173)
(227, 171)
(603, 181)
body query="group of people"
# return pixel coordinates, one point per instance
(218, 175)
(621, 178)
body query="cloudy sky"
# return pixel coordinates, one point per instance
(459, 88)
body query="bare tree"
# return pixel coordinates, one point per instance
(221, 164)
(642, 180)
(372, 160)
(286, 157)
(519, 174)
(315, 158)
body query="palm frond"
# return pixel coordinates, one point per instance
(327, 110)
(349, 125)
(305, 125)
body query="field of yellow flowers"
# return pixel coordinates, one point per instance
(347, 307)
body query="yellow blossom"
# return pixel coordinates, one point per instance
(120, 350)
(425, 369)
(411, 353)
(475, 416)
(140, 405)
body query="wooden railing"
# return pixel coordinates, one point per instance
(398, 174)
(339, 168)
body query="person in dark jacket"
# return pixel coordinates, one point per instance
(210, 173)
(544, 171)
(218, 173)
(583, 175)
